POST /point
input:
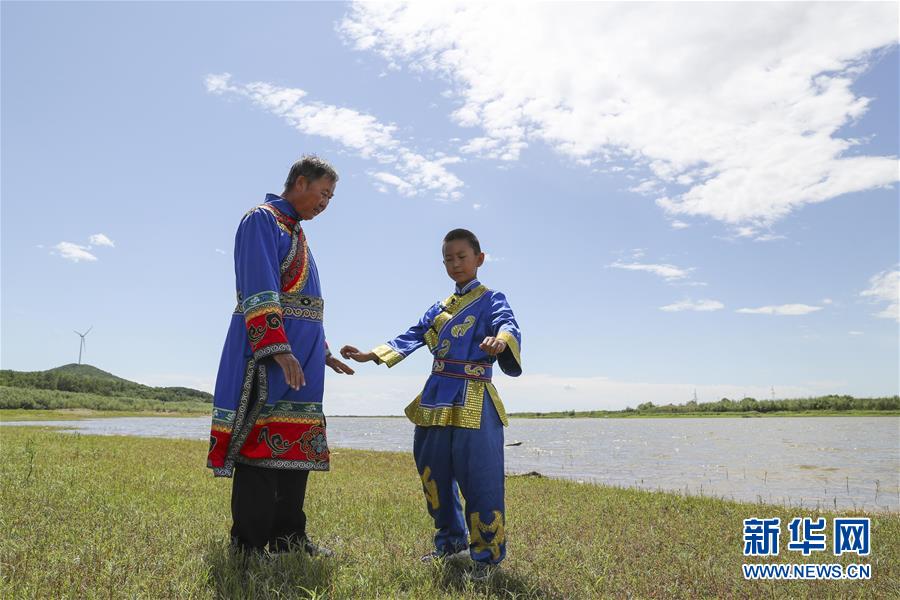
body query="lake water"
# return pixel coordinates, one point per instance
(843, 462)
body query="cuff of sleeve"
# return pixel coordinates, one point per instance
(270, 350)
(265, 330)
(387, 355)
(512, 346)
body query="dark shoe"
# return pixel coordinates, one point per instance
(446, 554)
(316, 550)
(482, 572)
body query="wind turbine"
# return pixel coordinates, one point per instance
(81, 347)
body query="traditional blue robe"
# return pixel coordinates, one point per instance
(458, 443)
(257, 418)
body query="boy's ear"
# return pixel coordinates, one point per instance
(480, 259)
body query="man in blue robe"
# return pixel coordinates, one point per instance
(268, 428)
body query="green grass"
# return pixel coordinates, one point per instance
(77, 414)
(101, 517)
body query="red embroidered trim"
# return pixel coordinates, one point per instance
(282, 218)
(266, 329)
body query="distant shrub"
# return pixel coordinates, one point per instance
(29, 398)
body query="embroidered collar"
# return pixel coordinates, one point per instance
(282, 205)
(460, 291)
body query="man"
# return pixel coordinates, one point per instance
(268, 428)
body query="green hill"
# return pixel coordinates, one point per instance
(91, 380)
(84, 371)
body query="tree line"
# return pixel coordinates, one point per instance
(102, 386)
(831, 402)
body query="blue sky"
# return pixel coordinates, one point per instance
(667, 208)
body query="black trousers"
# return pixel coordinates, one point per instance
(267, 508)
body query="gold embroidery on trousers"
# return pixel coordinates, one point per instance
(461, 329)
(430, 489)
(478, 530)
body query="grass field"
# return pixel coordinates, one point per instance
(110, 517)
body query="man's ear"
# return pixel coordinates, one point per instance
(301, 184)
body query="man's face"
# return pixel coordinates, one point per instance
(461, 261)
(313, 196)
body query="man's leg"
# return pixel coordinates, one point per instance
(289, 520)
(252, 507)
(431, 450)
(478, 465)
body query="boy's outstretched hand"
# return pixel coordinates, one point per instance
(338, 366)
(492, 345)
(353, 353)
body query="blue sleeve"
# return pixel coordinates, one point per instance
(505, 327)
(257, 272)
(406, 343)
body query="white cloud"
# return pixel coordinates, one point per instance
(488, 257)
(791, 310)
(679, 225)
(768, 237)
(885, 287)
(476, 207)
(827, 301)
(667, 272)
(389, 179)
(700, 305)
(414, 174)
(74, 252)
(99, 239)
(855, 332)
(220, 251)
(748, 121)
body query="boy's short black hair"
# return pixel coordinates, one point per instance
(464, 234)
(312, 167)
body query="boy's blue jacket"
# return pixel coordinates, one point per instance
(460, 379)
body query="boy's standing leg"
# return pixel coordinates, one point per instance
(477, 456)
(431, 450)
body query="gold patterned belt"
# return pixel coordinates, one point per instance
(296, 306)
(462, 369)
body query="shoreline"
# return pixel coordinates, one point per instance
(685, 488)
(74, 414)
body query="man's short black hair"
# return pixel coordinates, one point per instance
(312, 167)
(464, 234)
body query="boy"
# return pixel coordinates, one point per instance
(458, 443)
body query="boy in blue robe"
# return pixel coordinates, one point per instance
(459, 418)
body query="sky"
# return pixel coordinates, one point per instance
(674, 198)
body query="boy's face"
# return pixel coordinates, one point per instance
(461, 261)
(313, 196)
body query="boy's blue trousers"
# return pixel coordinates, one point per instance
(453, 459)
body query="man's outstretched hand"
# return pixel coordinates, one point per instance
(338, 366)
(293, 372)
